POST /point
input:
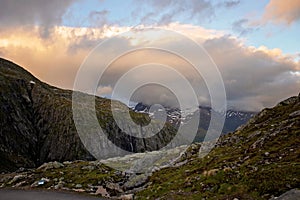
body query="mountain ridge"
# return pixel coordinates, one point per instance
(233, 118)
(37, 122)
(259, 161)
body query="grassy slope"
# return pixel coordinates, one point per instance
(39, 117)
(260, 160)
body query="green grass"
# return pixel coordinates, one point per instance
(72, 174)
(242, 171)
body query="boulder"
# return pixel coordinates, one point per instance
(50, 165)
(290, 195)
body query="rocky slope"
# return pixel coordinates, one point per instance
(259, 161)
(89, 177)
(36, 123)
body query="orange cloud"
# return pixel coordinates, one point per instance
(51, 59)
(279, 11)
(254, 77)
(104, 90)
(56, 59)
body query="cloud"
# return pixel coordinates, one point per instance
(98, 18)
(104, 90)
(164, 12)
(282, 12)
(230, 4)
(241, 27)
(54, 59)
(33, 12)
(158, 95)
(254, 77)
(88, 38)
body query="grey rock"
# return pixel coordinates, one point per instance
(126, 197)
(60, 185)
(114, 186)
(295, 114)
(88, 167)
(136, 181)
(50, 165)
(293, 194)
(22, 183)
(102, 191)
(17, 178)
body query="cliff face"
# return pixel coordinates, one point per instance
(36, 123)
(18, 136)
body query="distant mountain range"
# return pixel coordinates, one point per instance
(233, 118)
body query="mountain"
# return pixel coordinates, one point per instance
(36, 123)
(173, 114)
(258, 161)
(233, 118)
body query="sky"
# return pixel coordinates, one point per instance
(254, 43)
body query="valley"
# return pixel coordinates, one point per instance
(260, 160)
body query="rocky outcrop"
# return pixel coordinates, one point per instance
(91, 177)
(258, 161)
(290, 195)
(36, 123)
